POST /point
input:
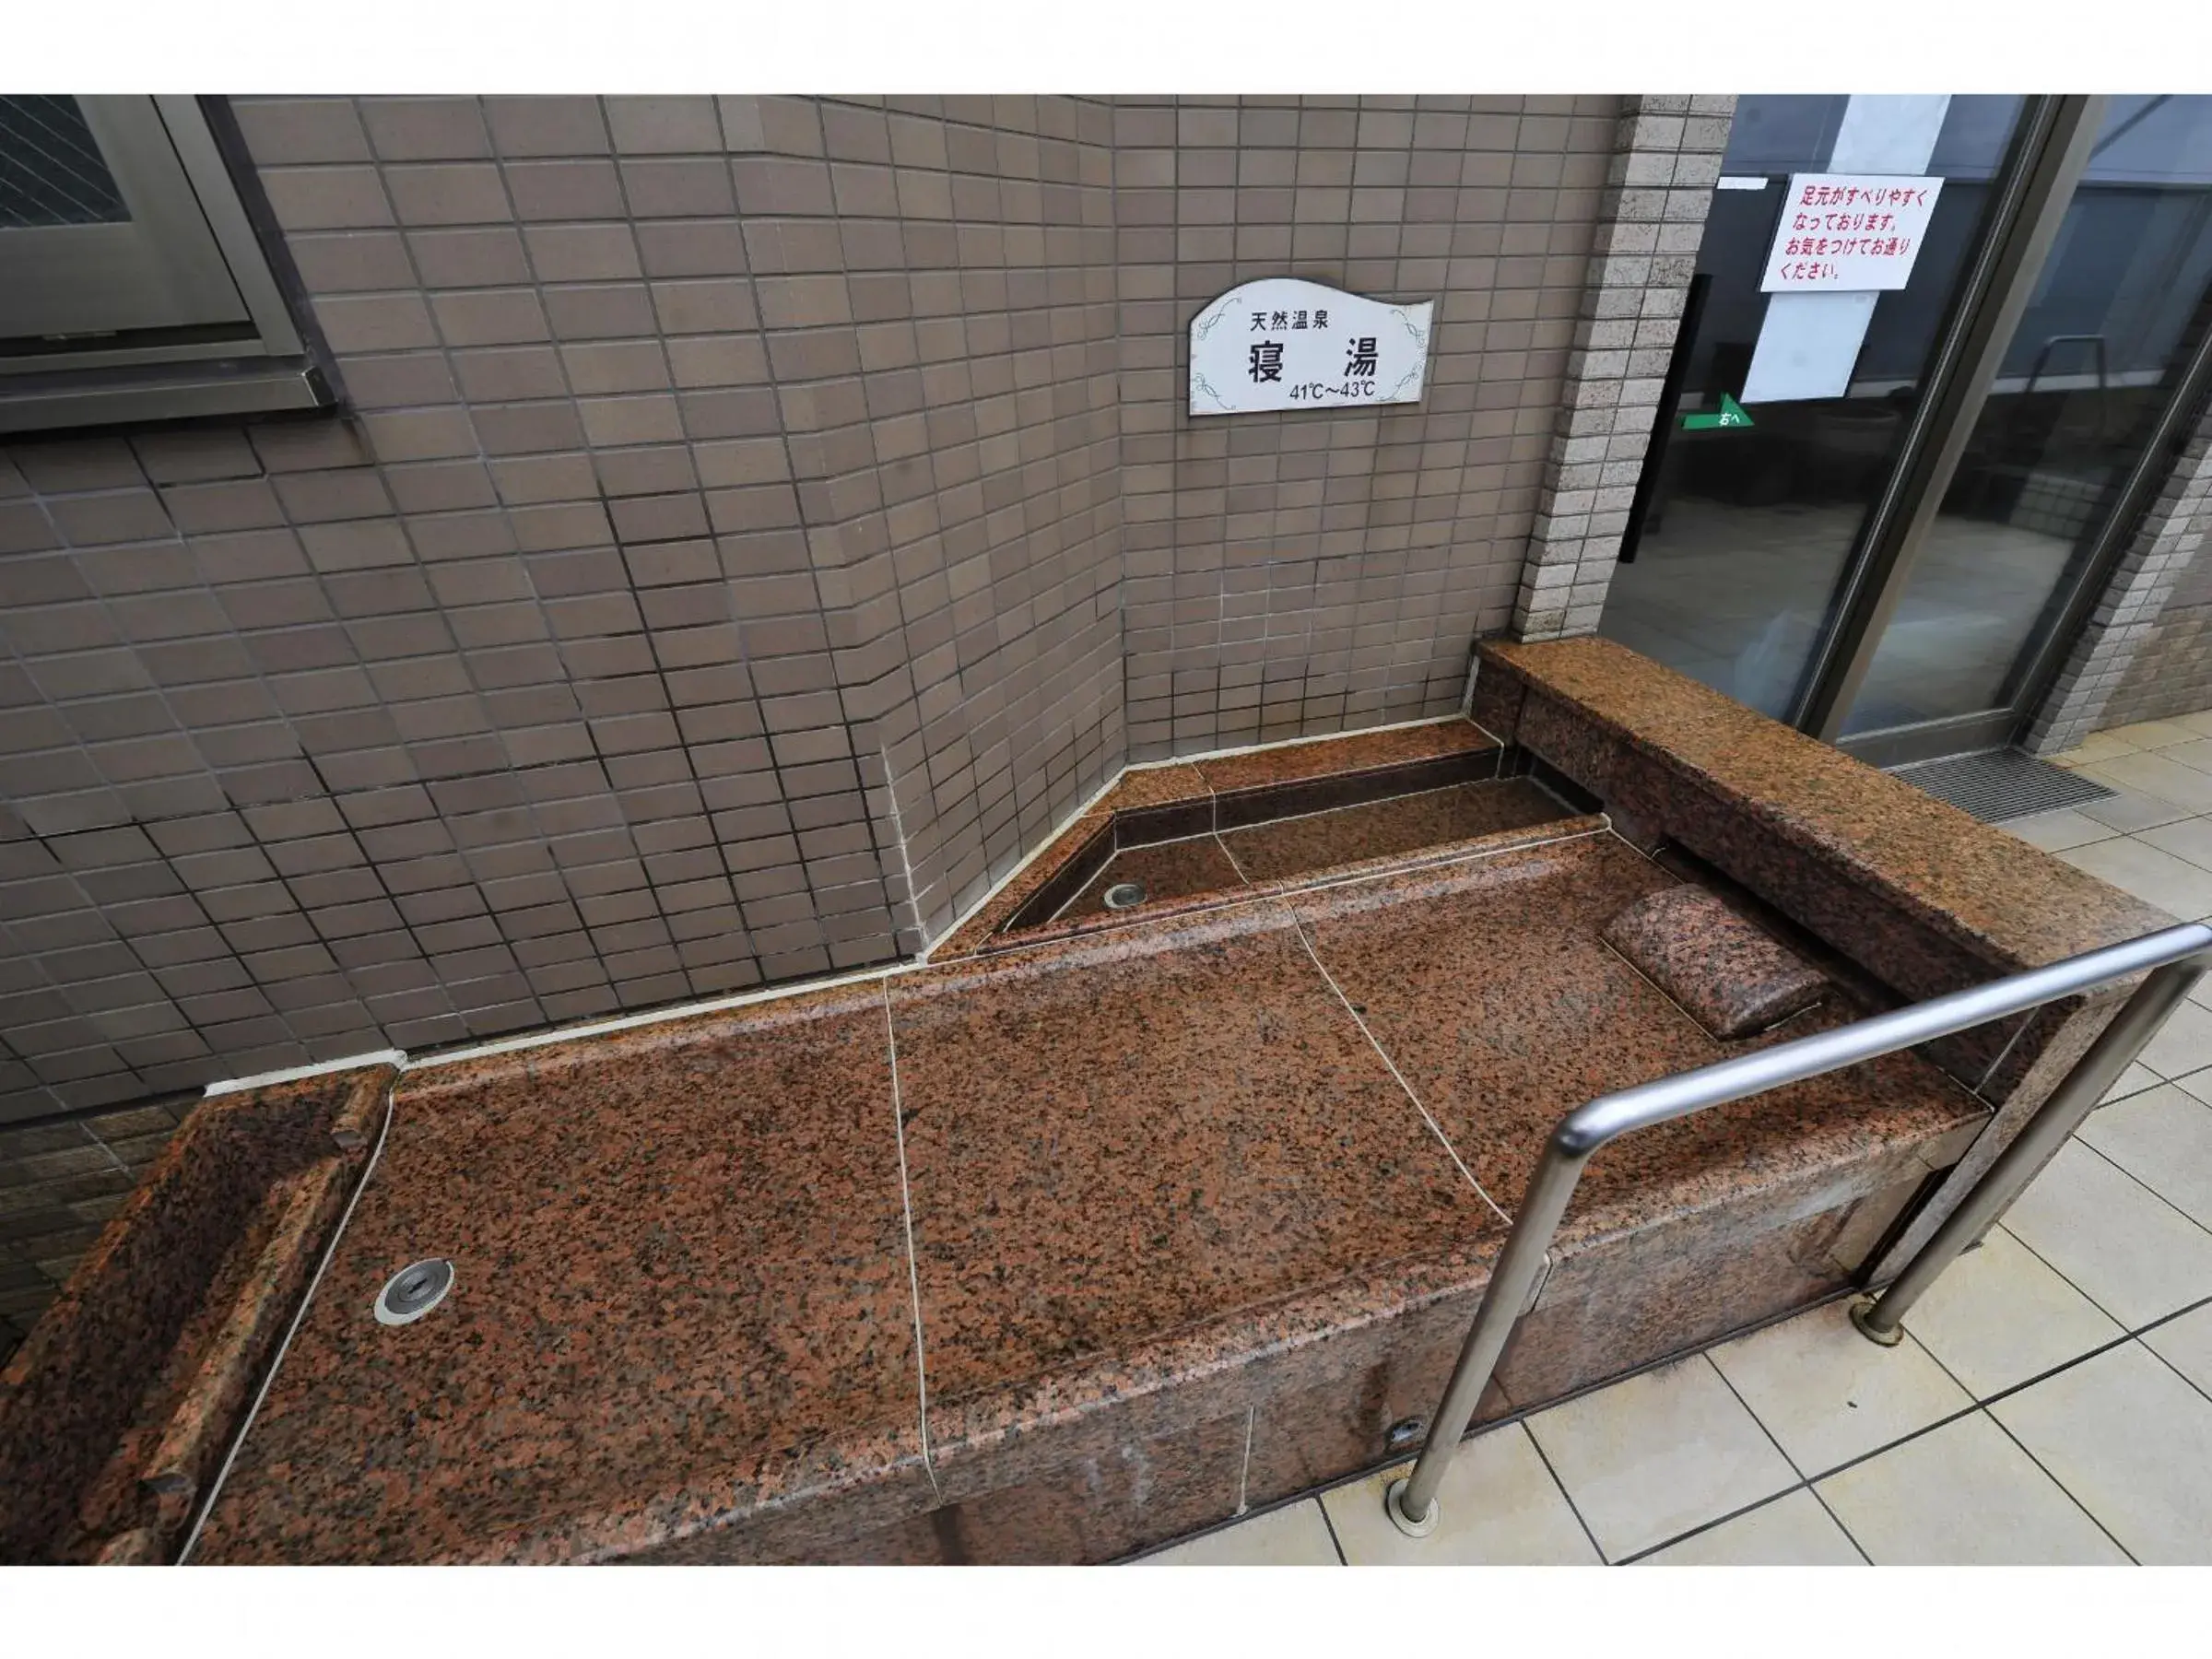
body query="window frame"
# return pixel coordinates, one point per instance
(272, 362)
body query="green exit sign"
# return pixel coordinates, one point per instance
(1731, 415)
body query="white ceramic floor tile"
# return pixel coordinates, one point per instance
(1827, 1394)
(2129, 809)
(2098, 746)
(2163, 1138)
(2184, 1044)
(2174, 885)
(1962, 1495)
(2201, 993)
(2137, 1078)
(1792, 1531)
(2056, 831)
(2186, 1345)
(1500, 1507)
(1999, 1315)
(1649, 1458)
(2132, 1254)
(2189, 838)
(2168, 779)
(1292, 1536)
(2132, 1442)
(2152, 733)
(2194, 751)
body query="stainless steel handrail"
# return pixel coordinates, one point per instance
(2178, 954)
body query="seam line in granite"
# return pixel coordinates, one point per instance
(1434, 1128)
(1244, 1468)
(2005, 1054)
(906, 1212)
(329, 1250)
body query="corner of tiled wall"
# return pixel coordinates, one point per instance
(1305, 573)
(754, 523)
(2144, 652)
(1659, 185)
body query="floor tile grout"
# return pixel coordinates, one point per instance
(1335, 1543)
(1574, 1508)
(2052, 1475)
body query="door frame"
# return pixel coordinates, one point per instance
(2050, 151)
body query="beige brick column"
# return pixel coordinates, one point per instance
(1658, 189)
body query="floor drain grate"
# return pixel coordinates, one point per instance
(2000, 783)
(413, 1291)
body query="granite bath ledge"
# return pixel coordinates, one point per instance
(116, 1413)
(2013, 905)
(609, 1202)
(934, 1264)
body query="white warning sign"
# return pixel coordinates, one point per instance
(1849, 233)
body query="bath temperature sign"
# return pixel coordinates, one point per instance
(1283, 343)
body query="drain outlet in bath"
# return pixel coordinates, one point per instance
(413, 1291)
(1124, 895)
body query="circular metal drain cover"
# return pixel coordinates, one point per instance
(1124, 895)
(413, 1291)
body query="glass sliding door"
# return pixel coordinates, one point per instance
(1790, 406)
(2119, 308)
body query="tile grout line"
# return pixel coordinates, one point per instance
(1804, 1480)
(2090, 1147)
(1298, 924)
(2170, 1365)
(1574, 1508)
(1335, 1543)
(913, 1272)
(2028, 1452)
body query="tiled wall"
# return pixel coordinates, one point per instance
(2147, 649)
(1297, 572)
(746, 518)
(2172, 672)
(754, 523)
(1659, 181)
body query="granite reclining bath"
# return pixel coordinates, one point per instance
(1106, 1224)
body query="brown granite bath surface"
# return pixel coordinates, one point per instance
(1354, 752)
(680, 1292)
(1489, 986)
(1296, 846)
(2016, 906)
(1165, 870)
(1109, 1141)
(117, 1411)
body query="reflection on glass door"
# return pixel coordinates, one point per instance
(1747, 527)
(2119, 307)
